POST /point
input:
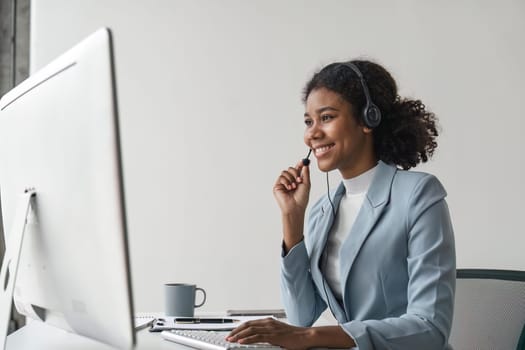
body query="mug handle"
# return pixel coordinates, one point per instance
(203, 296)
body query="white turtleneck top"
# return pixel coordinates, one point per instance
(349, 207)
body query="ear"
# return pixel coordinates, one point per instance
(367, 130)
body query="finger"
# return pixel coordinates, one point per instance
(285, 183)
(266, 331)
(245, 328)
(236, 331)
(241, 335)
(299, 168)
(262, 326)
(256, 338)
(247, 332)
(305, 175)
(290, 174)
(287, 180)
(280, 188)
(295, 172)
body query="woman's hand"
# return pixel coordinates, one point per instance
(292, 189)
(271, 331)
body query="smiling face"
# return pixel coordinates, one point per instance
(336, 137)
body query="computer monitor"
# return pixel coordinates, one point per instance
(59, 135)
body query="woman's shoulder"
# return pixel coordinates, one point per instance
(389, 180)
(416, 179)
(417, 187)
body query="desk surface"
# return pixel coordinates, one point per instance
(37, 335)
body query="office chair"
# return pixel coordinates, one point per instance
(489, 310)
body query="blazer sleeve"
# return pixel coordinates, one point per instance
(301, 300)
(431, 266)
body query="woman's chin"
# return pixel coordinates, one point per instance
(325, 166)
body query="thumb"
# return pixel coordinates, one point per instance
(305, 173)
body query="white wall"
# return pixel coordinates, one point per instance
(210, 113)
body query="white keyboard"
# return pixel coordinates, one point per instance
(209, 340)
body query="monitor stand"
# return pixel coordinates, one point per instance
(11, 261)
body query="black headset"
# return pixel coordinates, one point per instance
(371, 113)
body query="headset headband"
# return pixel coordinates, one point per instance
(371, 113)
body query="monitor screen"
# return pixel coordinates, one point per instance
(59, 135)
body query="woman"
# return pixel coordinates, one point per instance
(379, 251)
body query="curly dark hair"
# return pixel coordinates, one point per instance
(407, 133)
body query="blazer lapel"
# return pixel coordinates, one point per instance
(324, 226)
(322, 231)
(376, 199)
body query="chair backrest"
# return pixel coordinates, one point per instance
(489, 310)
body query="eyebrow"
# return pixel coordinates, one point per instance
(322, 109)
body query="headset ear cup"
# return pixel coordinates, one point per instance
(371, 113)
(372, 116)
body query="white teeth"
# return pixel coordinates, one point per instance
(323, 149)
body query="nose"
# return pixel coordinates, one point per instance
(313, 132)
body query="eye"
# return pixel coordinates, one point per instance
(326, 117)
(308, 122)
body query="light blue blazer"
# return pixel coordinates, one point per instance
(398, 265)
